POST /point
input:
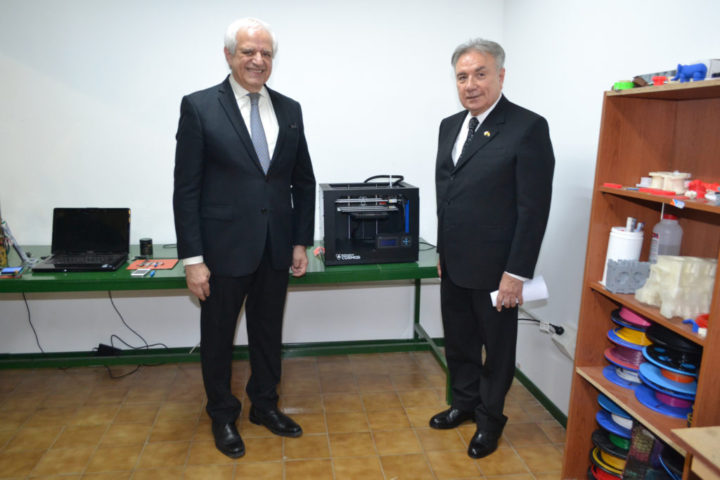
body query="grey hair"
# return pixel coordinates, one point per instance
(483, 46)
(247, 24)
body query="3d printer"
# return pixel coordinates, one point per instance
(370, 222)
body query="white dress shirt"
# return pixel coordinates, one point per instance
(267, 112)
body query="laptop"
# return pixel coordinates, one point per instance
(87, 240)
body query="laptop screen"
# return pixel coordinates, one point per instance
(98, 230)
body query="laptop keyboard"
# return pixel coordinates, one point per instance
(83, 259)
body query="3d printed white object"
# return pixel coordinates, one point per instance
(680, 286)
(672, 181)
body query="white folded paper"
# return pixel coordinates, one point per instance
(533, 289)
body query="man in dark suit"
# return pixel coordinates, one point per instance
(244, 206)
(494, 179)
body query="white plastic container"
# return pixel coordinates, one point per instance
(666, 237)
(622, 245)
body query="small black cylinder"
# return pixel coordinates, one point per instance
(146, 248)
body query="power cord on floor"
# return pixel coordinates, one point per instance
(112, 337)
(115, 377)
(113, 350)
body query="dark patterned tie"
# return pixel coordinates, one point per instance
(472, 126)
(258, 133)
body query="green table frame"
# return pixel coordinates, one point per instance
(317, 274)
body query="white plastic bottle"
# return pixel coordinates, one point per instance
(666, 237)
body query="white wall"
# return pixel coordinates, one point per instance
(90, 94)
(79, 321)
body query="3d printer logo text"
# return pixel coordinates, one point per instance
(347, 256)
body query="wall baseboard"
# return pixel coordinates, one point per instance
(155, 356)
(540, 396)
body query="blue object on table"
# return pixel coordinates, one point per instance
(694, 324)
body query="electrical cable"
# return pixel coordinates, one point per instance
(147, 346)
(122, 319)
(112, 344)
(423, 242)
(113, 337)
(27, 307)
(391, 178)
(113, 376)
(557, 329)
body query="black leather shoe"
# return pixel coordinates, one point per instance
(482, 444)
(450, 418)
(228, 440)
(275, 421)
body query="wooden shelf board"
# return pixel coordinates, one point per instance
(661, 425)
(673, 91)
(653, 313)
(702, 204)
(704, 444)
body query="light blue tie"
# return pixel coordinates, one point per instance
(257, 132)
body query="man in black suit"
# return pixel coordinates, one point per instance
(494, 180)
(244, 206)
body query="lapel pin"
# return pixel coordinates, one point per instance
(486, 133)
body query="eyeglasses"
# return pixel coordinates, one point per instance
(249, 52)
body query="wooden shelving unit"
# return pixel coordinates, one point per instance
(666, 128)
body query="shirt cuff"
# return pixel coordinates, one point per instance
(518, 277)
(192, 260)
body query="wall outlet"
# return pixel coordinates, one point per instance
(566, 342)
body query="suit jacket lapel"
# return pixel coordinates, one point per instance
(227, 100)
(448, 139)
(283, 120)
(486, 132)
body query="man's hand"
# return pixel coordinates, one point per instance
(198, 280)
(509, 293)
(439, 270)
(299, 261)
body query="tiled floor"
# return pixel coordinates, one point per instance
(364, 417)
